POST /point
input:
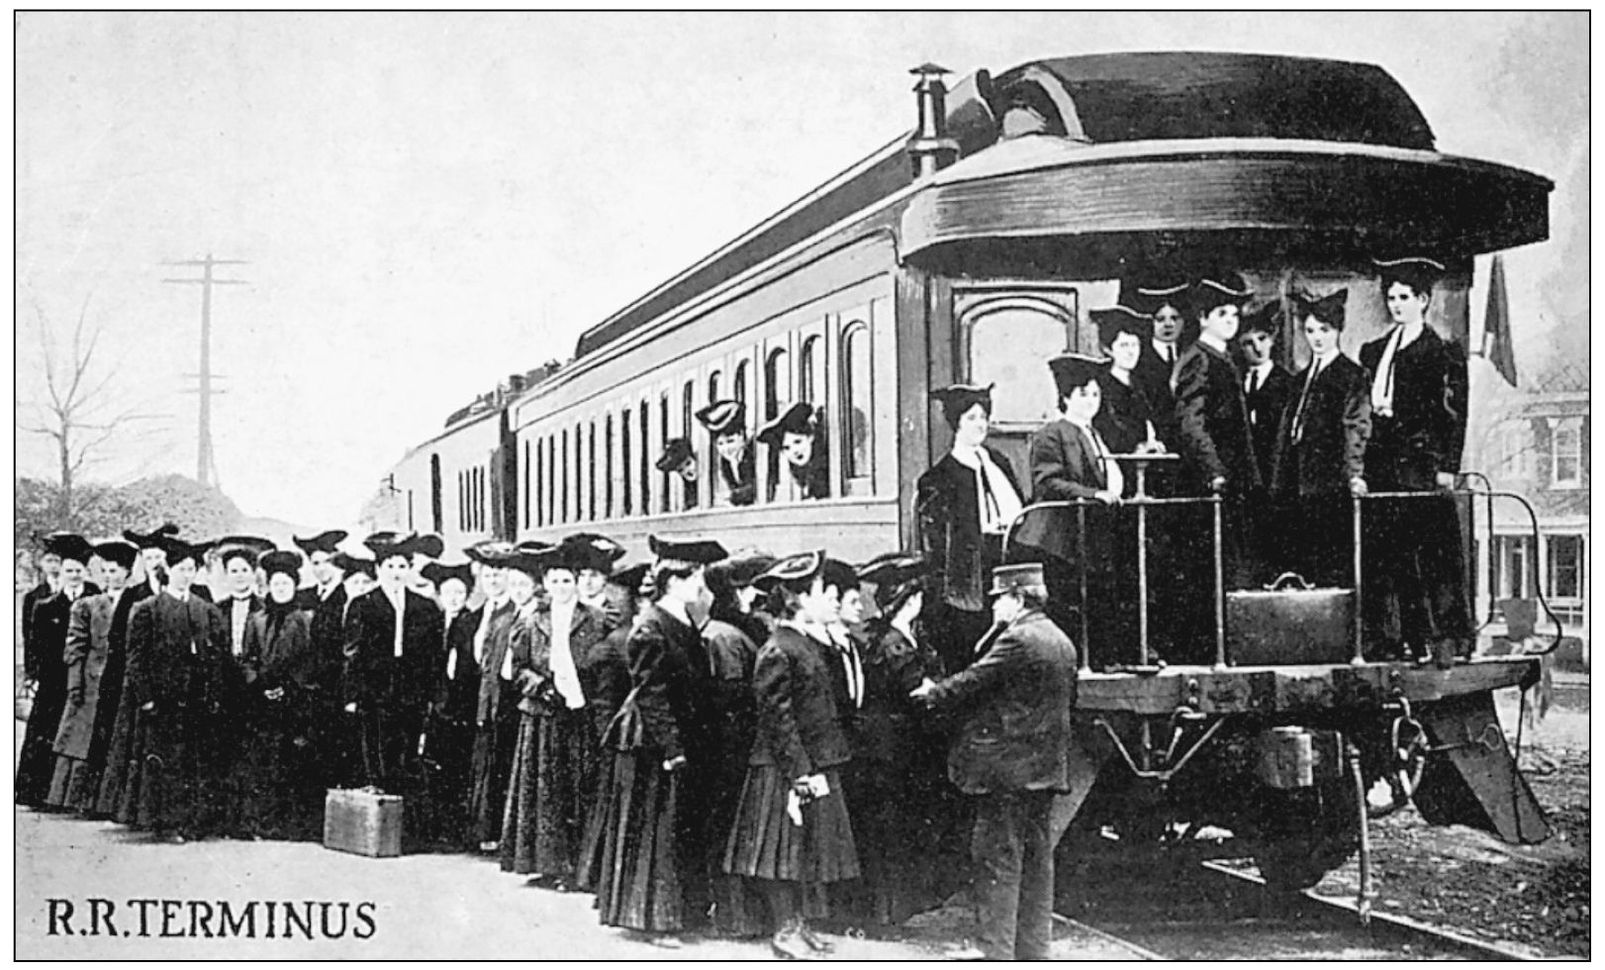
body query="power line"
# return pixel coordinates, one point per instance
(205, 461)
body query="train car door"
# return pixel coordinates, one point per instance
(1006, 334)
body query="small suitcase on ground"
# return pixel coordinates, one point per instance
(1289, 622)
(363, 821)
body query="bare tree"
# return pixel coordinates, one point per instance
(76, 410)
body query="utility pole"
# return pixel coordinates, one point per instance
(205, 464)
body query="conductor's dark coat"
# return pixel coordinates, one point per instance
(950, 531)
(1016, 702)
(1214, 439)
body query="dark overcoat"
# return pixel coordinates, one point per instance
(44, 661)
(1336, 429)
(1427, 431)
(798, 729)
(1015, 703)
(1265, 406)
(1212, 422)
(88, 637)
(949, 521)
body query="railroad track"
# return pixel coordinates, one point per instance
(1216, 912)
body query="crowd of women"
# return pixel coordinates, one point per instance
(713, 740)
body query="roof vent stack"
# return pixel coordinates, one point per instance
(930, 149)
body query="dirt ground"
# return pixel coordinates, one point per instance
(1535, 897)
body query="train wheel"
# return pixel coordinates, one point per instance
(1307, 834)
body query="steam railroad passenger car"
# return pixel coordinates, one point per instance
(972, 252)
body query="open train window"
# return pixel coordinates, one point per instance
(809, 366)
(645, 458)
(687, 410)
(1007, 339)
(436, 506)
(739, 391)
(663, 423)
(858, 441)
(776, 383)
(625, 454)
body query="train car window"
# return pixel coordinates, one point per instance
(810, 367)
(607, 467)
(540, 483)
(1009, 340)
(526, 470)
(858, 442)
(437, 510)
(551, 479)
(462, 505)
(687, 422)
(409, 510)
(715, 379)
(663, 424)
(739, 391)
(625, 456)
(644, 461)
(479, 499)
(562, 515)
(590, 470)
(776, 383)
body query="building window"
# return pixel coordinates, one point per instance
(857, 403)
(1515, 575)
(1566, 566)
(776, 383)
(1566, 449)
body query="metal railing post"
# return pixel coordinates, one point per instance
(1220, 589)
(1359, 595)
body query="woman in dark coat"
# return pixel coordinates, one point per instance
(964, 503)
(283, 783)
(44, 662)
(496, 706)
(1319, 459)
(553, 781)
(178, 664)
(792, 831)
(114, 721)
(450, 742)
(1415, 583)
(78, 761)
(898, 761)
(652, 876)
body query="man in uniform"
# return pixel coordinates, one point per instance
(1013, 752)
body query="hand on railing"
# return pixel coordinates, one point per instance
(1445, 480)
(1358, 488)
(1107, 497)
(1217, 484)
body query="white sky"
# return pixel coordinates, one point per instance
(429, 201)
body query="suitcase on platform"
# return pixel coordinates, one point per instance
(363, 821)
(1290, 622)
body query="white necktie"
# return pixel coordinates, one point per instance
(1303, 399)
(398, 601)
(1114, 478)
(1382, 384)
(564, 675)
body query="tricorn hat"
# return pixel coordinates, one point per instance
(117, 551)
(893, 569)
(387, 544)
(1329, 309)
(438, 572)
(698, 551)
(802, 567)
(490, 552)
(1071, 371)
(1116, 320)
(1218, 288)
(428, 544)
(350, 564)
(956, 399)
(284, 561)
(676, 452)
(1262, 320)
(840, 575)
(587, 550)
(1420, 273)
(322, 542)
(797, 419)
(1150, 290)
(67, 545)
(1016, 576)
(178, 550)
(152, 539)
(249, 548)
(724, 417)
(633, 577)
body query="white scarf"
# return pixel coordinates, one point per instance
(990, 482)
(564, 674)
(1382, 384)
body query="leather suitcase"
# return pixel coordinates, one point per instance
(1289, 622)
(363, 821)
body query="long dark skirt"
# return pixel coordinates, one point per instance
(494, 745)
(176, 788)
(36, 764)
(549, 794)
(766, 844)
(75, 784)
(896, 830)
(281, 778)
(449, 754)
(115, 774)
(638, 866)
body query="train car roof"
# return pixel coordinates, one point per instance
(1100, 97)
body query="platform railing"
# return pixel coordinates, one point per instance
(1141, 501)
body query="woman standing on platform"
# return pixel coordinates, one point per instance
(496, 714)
(652, 877)
(44, 663)
(792, 835)
(284, 690)
(552, 783)
(964, 503)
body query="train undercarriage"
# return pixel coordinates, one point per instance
(1280, 763)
